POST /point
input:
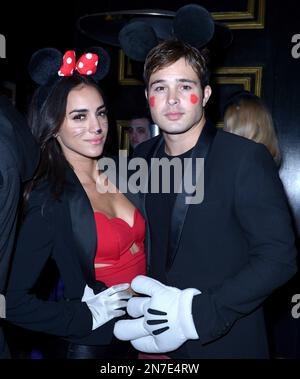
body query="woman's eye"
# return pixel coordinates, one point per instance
(79, 116)
(102, 114)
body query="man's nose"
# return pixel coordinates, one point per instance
(173, 96)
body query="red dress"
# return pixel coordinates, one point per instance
(115, 239)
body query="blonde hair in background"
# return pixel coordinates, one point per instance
(248, 117)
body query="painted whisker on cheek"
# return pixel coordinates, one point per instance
(152, 101)
(78, 131)
(194, 99)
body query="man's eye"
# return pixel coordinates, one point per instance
(79, 116)
(186, 87)
(159, 89)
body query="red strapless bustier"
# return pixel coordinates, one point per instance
(115, 239)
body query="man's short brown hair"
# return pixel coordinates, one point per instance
(169, 52)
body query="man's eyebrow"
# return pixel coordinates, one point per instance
(157, 81)
(182, 80)
(187, 81)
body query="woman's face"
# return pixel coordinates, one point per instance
(84, 129)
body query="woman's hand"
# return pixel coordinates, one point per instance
(106, 305)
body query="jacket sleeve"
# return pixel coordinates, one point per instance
(262, 212)
(35, 245)
(9, 199)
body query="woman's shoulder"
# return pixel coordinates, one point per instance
(41, 198)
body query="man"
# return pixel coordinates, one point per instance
(18, 159)
(138, 131)
(216, 261)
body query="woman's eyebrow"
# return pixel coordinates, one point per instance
(83, 110)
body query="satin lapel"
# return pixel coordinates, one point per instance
(180, 209)
(84, 227)
(151, 154)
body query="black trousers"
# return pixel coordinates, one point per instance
(4, 352)
(116, 350)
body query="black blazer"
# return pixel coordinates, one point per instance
(237, 246)
(19, 155)
(62, 230)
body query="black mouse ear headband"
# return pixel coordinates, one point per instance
(48, 64)
(192, 24)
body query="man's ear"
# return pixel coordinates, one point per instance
(146, 94)
(206, 95)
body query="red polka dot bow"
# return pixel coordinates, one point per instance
(86, 64)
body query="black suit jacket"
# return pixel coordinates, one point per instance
(63, 230)
(19, 156)
(237, 246)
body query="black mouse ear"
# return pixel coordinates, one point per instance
(193, 24)
(44, 65)
(103, 62)
(137, 39)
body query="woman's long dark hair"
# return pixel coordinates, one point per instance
(46, 115)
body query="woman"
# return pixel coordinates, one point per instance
(94, 237)
(247, 116)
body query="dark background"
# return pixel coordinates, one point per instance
(52, 23)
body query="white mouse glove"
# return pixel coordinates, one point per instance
(167, 320)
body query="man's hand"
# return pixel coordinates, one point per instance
(167, 320)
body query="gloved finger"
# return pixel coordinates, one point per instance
(146, 344)
(121, 295)
(118, 313)
(127, 330)
(120, 304)
(137, 305)
(117, 288)
(88, 293)
(145, 285)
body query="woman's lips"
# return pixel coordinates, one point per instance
(95, 141)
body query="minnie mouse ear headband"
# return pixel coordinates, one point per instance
(48, 64)
(138, 31)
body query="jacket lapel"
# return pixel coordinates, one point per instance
(151, 154)
(181, 206)
(83, 226)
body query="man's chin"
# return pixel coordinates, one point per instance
(175, 131)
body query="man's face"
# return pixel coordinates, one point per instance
(138, 131)
(176, 98)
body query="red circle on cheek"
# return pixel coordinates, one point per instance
(194, 99)
(152, 101)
